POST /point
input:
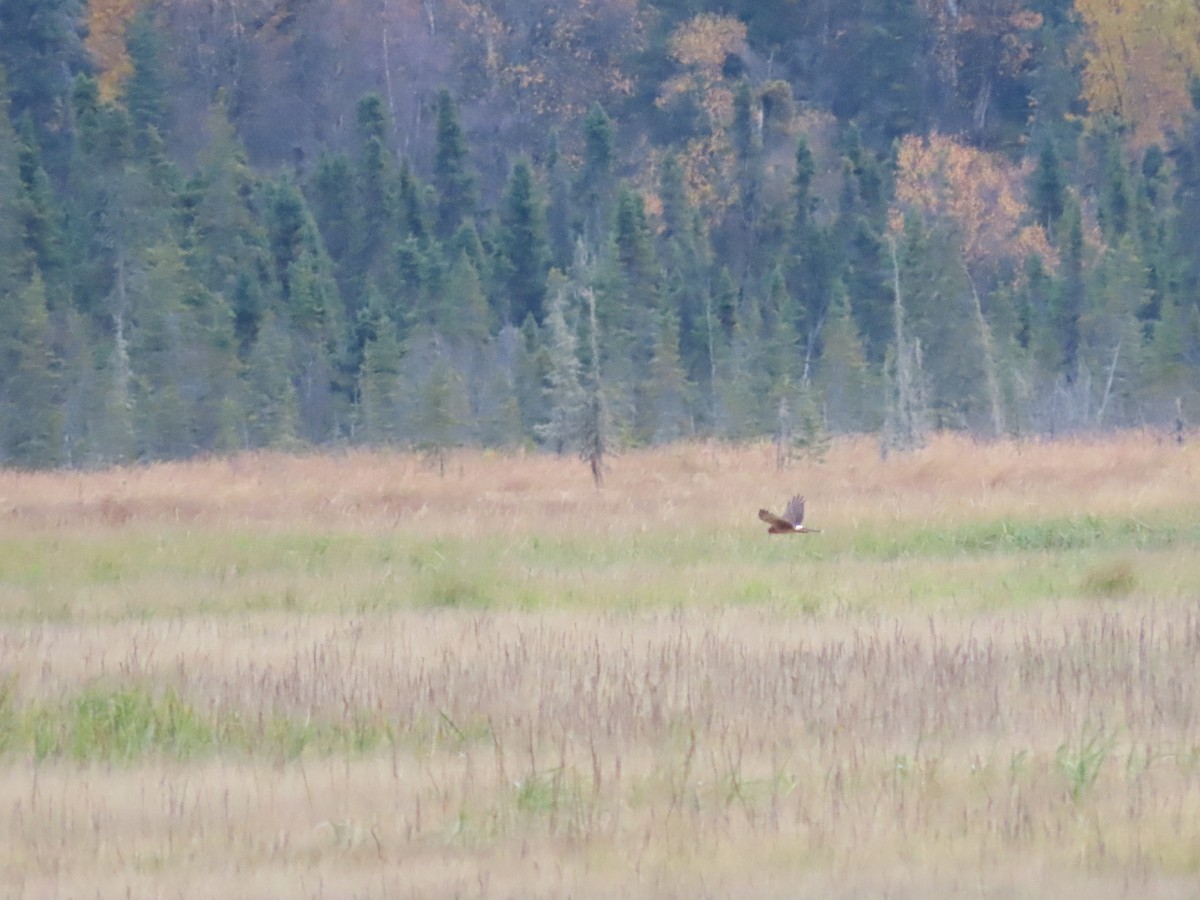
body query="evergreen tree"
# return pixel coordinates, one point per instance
(747, 149)
(811, 271)
(1185, 217)
(666, 389)
(558, 206)
(40, 215)
(182, 358)
(594, 425)
(634, 245)
(858, 244)
(1071, 298)
(439, 406)
(496, 403)
(412, 210)
(309, 307)
(13, 243)
(453, 179)
(229, 243)
(939, 312)
(270, 401)
(31, 416)
(331, 193)
(109, 426)
(379, 388)
(462, 311)
(629, 318)
(593, 187)
(1115, 212)
(673, 193)
(745, 392)
(532, 368)
(374, 230)
(1111, 334)
(906, 410)
(41, 49)
(146, 89)
(523, 249)
(1048, 188)
(115, 208)
(561, 432)
(843, 377)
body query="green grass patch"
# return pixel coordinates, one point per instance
(114, 575)
(129, 723)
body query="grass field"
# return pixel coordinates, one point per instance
(346, 676)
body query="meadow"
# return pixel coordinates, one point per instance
(347, 675)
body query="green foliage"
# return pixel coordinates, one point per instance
(41, 52)
(31, 415)
(453, 177)
(146, 89)
(523, 250)
(564, 391)
(737, 239)
(1081, 760)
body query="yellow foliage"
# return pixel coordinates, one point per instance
(1138, 60)
(106, 41)
(981, 193)
(701, 46)
(705, 41)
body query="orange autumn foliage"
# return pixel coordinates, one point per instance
(980, 193)
(106, 21)
(701, 46)
(1138, 59)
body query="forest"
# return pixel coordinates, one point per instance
(586, 225)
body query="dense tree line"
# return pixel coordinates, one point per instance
(580, 225)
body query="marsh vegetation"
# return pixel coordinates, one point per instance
(338, 676)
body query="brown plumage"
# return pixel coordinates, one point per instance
(791, 520)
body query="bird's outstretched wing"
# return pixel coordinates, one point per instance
(773, 520)
(794, 514)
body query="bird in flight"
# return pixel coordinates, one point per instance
(790, 521)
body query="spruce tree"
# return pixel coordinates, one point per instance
(558, 206)
(1048, 188)
(13, 243)
(594, 427)
(42, 50)
(843, 377)
(523, 250)
(561, 432)
(1069, 308)
(309, 306)
(440, 413)
(146, 90)
(269, 397)
(594, 184)
(462, 311)
(182, 357)
(454, 180)
(812, 256)
(229, 243)
(905, 404)
(332, 196)
(374, 228)
(41, 216)
(31, 415)
(666, 391)
(379, 388)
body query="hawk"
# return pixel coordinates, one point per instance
(790, 521)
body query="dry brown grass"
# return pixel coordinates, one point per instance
(647, 697)
(710, 486)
